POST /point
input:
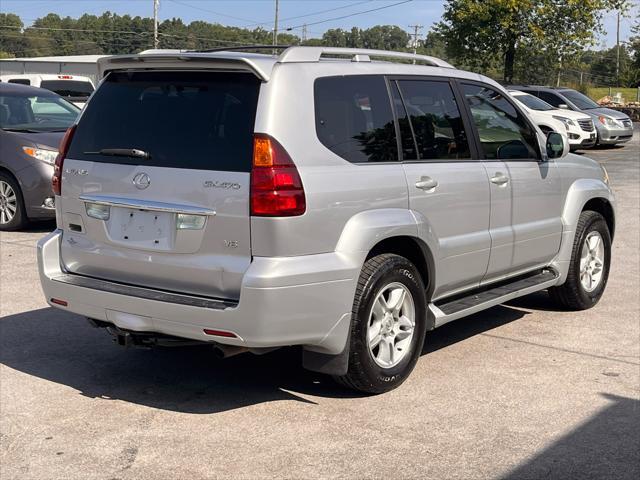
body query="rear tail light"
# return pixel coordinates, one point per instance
(276, 187)
(56, 180)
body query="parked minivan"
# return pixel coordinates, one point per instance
(318, 198)
(613, 127)
(32, 124)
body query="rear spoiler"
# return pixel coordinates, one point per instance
(260, 65)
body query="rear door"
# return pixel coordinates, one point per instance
(447, 185)
(155, 187)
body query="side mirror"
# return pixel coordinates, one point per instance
(563, 106)
(555, 145)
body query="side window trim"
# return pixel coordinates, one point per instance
(393, 83)
(475, 151)
(462, 82)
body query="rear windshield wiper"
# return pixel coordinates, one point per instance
(121, 152)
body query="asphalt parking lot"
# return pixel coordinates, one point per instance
(518, 391)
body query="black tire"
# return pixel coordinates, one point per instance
(364, 374)
(19, 219)
(571, 294)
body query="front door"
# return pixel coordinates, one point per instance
(448, 189)
(526, 193)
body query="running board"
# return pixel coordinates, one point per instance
(451, 309)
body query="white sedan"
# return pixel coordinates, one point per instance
(578, 127)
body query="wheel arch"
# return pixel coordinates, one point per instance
(604, 208)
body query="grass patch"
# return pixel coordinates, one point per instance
(628, 94)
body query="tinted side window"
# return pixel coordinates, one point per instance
(504, 132)
(551, 99)
(354, 118)
(435, 118)
(20, 81)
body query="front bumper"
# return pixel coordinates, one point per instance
(579, 138)
(611, 136)
(283, 301)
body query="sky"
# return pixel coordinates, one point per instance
(251, 13)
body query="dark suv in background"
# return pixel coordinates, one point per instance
(613, 127)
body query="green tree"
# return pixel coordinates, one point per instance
(483, 32)
(11, 37)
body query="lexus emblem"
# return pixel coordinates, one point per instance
(141, 181)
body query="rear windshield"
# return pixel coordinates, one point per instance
(68, 88)
(195, 120)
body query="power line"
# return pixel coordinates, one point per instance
(352, 14)
(214, 12)
(311, 14)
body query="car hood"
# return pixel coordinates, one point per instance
(570, 114)
(608, 112)
(47, 140)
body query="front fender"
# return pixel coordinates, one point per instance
(578, 194)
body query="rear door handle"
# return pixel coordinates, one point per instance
(426, 183)
(499, 179)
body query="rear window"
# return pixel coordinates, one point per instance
(354, 118)
(20, 81)
(195, 120)
(68, 88)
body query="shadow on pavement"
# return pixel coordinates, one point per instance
(63, 348)
(40, 226)
(467, 327)
(606, 446)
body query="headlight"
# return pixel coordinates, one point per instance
(605, 175)
(46, 156)
(567, 121)
(608, 121)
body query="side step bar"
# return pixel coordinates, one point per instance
(146, 293)
(453, 308)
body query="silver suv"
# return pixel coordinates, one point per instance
(316, 198)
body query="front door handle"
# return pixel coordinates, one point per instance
(426, 183)
(499, 178)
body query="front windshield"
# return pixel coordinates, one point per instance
(21, 112)
(534, 103)
(579, 100)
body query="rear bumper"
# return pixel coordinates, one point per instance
(283, 301)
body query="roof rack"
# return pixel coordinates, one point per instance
(313, 54)
(242, 47)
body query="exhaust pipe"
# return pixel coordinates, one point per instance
(226, 351)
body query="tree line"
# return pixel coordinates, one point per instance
(529, 41)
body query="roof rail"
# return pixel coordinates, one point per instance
(313, 54)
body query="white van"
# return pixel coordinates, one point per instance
(74, 88)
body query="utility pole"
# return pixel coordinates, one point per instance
(156, 4)
(275, 27)
(618, 50)
(304, 32)
(415, 37)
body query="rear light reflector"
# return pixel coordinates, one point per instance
(276, 186)
(220, 333)
(56, 180)
(57, 301)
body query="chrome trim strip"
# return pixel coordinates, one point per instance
(146, 205)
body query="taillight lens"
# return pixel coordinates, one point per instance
(276, 187)
(56, 180)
